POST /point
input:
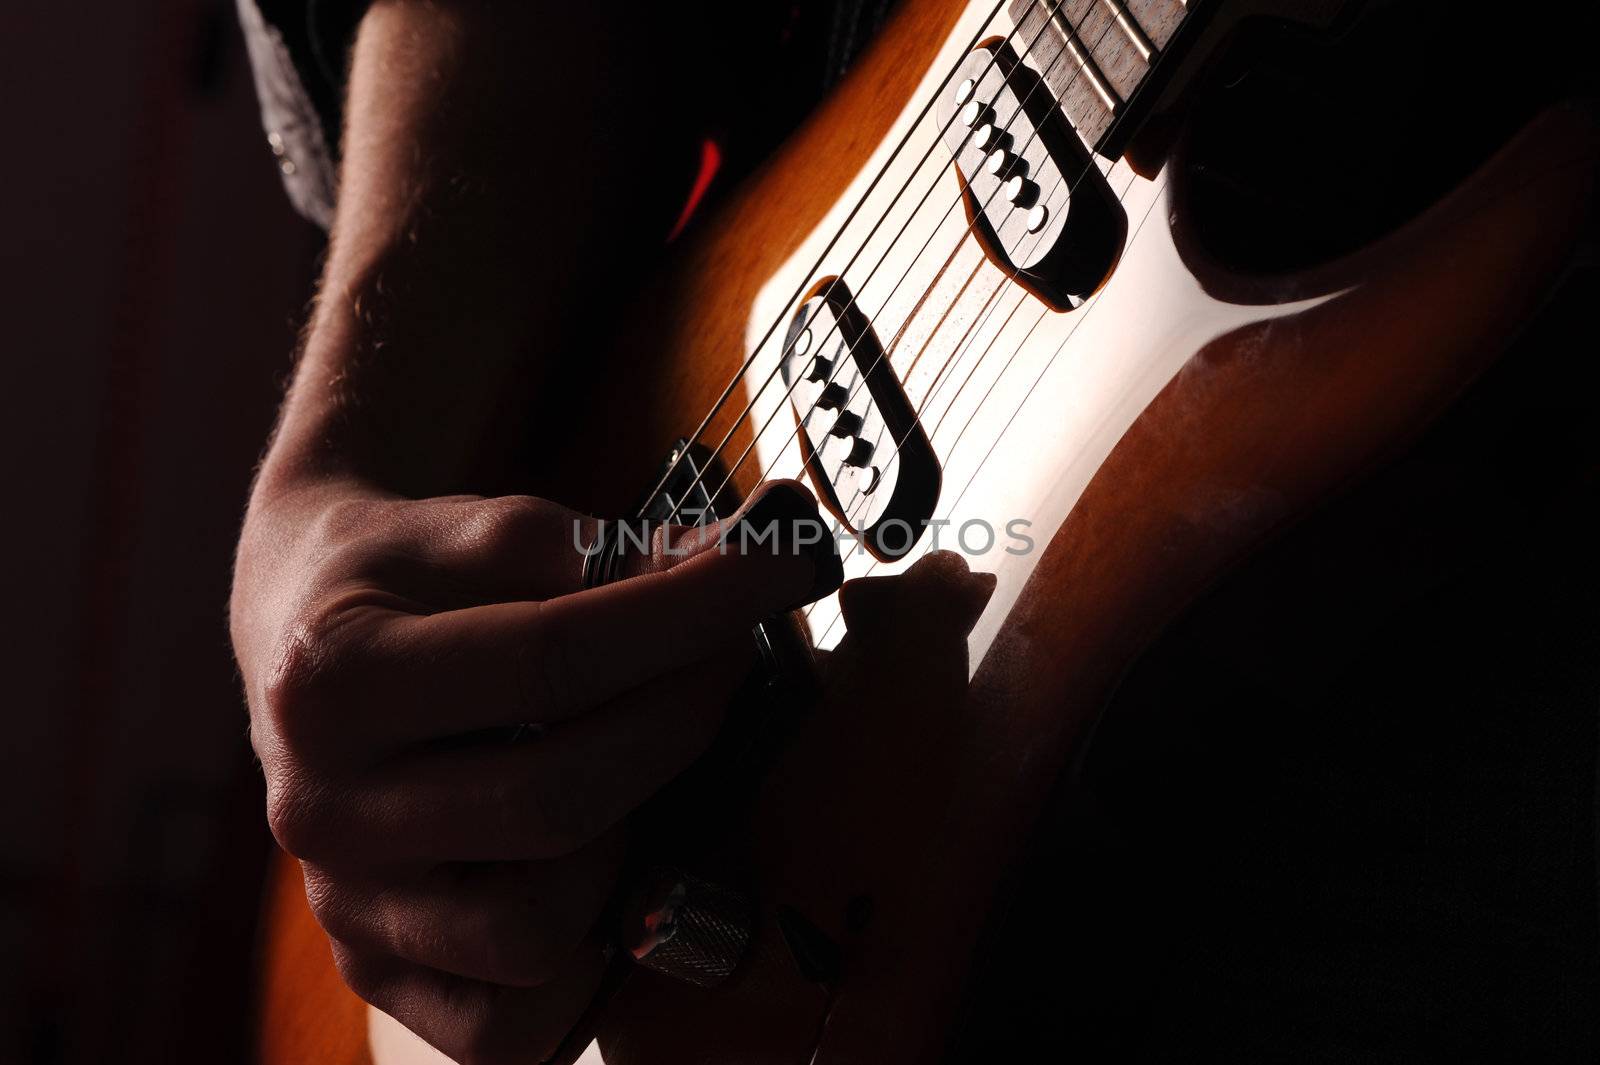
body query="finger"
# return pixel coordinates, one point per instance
(411, 678)
(507, 548)
(500, 549)
(470, 1021)
(756, 566)
(539, 799)
(508, 923)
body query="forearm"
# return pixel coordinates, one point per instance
(499, 167)
(403, 598)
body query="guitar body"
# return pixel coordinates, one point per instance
(1146, 441)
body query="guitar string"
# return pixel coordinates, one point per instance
(938, 384)
(958, 352)
(749, 448)
(969, 338)
(744, 369)
(761, 389)
(955, 302)
(965, 342)
(966, 345)
(750, 406)
(937, 277)
(851, 519)
(1155, 198)
(963, 347)
(1010, 359)
(956, 443)
(987, 311)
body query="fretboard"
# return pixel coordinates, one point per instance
(1095, 54)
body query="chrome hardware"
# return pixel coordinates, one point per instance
(860, 453)
(688, 928)
(1131, 30)
(999, 162)
(847, 425)
(1021, 192)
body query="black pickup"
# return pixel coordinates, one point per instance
(1037, 203)
(865, 450)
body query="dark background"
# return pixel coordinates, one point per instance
(153, 278)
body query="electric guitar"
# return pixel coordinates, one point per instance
(1061, 308)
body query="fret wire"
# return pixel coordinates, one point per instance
(1130, 28)
(1086, 63)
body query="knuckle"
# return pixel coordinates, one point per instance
(292, 681)
(315, 668)
(295, 730)
(361, 973)
(514, 520)
(294, 688)
(330, 904)
(295, 814)
(347, 520)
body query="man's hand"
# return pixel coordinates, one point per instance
(451, 730)
(394, 652)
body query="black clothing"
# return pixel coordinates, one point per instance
(782, 56)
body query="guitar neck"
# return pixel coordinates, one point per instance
(1098, 55)
(1112, 64)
